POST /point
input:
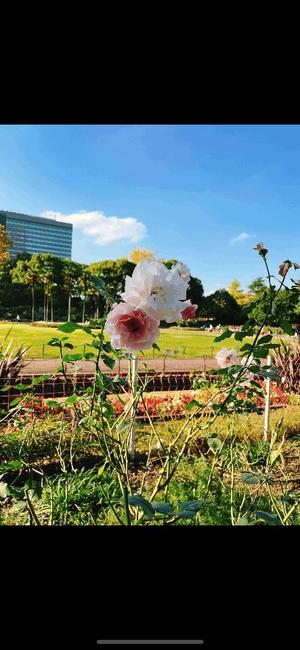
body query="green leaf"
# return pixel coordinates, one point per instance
(52, 403)
(15, 401)
(239, 336)
(72, 399)
(265, 339)
(286, 326)
(155, 347)
(70, 346)
(260, 353)
(268, 517)
(72, 357)
(193, 403)
(69, 327)
(256, 384)
(187, 514)
(163, 508)
(226, 335)
(12, 465)
(54, 342)
(270, 374)
(140, 502)
(107, 347)
(194, 506)
(88, 355)
(214, 444)
(122, 426)
(242, 521)
(39, 380)
(101, 469)
(249, 478)
(4, 490)
(108, 361)
(246, 346)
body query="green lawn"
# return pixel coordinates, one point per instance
(186, 343)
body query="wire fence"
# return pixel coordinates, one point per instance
(59, 387)
(171, 406)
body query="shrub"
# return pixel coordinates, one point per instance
(287, 361)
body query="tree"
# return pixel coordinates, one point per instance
(138, 254)
(113, 273)
(241, 297)
(70, 278)
(223, 308)
(257, 287)
(27, 273)
(285, 308)
(44, 264)
(85, 285)
(5, 244)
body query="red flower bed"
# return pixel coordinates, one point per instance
(40, 409)
(277, 396)
(175, 405)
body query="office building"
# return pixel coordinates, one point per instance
(37, 234)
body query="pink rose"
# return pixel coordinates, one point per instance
(189, 310)
(131, 328)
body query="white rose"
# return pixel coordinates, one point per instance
(227, 358)
(157, 290)
(183, 271)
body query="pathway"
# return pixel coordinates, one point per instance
(50, 366)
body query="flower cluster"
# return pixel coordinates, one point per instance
(41, 409)
(172, 406)
(157, 407)
(153, 293)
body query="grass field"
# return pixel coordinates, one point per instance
(179, 343)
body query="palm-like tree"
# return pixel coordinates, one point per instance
(27, 273)
(85, 285)
(70, 277)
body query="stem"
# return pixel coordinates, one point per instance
(111, 505)
(131, 443)
(31, 509)
(231, 486)
(32, 309)
(126, 505)
(267, 404)
(69, 307)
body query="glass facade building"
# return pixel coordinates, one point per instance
(37, 234)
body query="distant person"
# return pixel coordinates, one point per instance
(18, 318)
(211, 328)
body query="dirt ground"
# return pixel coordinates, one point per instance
(47, 366)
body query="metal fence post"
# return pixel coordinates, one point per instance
(267, 404)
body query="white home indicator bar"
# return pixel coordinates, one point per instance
(150, 642)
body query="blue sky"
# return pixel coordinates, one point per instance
(204, 194)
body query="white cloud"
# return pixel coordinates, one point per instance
(102, 229)
(241, 237)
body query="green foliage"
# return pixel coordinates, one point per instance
(113, 273)
(257, 287)
(223, 308)
(283, 309)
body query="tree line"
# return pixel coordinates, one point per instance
(46, 287)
